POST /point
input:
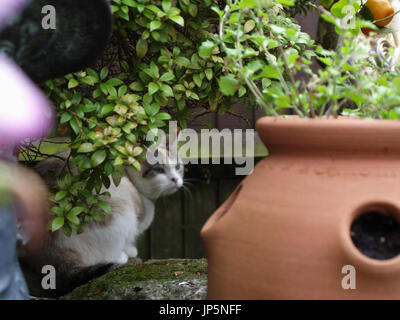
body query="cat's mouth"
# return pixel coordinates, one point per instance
(172, 190)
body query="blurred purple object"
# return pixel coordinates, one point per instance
(8, 8)
(24, 113)
(24, 110)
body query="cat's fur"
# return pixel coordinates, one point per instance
(81, 257)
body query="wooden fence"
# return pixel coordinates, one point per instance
(175, 232)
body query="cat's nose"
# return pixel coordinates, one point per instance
(174, 180)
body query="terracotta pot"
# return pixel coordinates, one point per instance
(285, 231)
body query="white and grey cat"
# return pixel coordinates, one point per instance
(103, 244)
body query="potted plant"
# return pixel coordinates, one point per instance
(318, 218)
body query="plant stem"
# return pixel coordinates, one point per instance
(388, 17)
(252, 86)
(292, 80)
(84, 118)
(309, 98)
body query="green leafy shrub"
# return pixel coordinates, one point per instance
(301, 7)
(170, 60)
(352, 80)
(164, 66)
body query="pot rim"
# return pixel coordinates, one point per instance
(342, 133)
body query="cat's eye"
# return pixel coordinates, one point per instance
(178, 166)
(158, 169)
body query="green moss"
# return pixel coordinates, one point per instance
(132, 275)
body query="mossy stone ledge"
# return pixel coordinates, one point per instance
(183, 279)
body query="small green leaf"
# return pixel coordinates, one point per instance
(57, 211)
(154, 70)
(114, 8)
(153, 88)
(96, 93)
(74, 125)
(118, 161)
(76, 211)
(151, 109)
(114, 82)
(206, 49)
(228, 85)
(327, 3)
(166, 5)
(270, 72)
(121, 150)
(89, 80)
(105, 206)
(72, 83)
(167, 90)
(182, 62)
(168, 76)
(193, 10)
(162, 116)
(129, 3)
(197, 80)
(177, 19)
(249, 26)
(242, 92)
(106, 109)
(65, 117)
(89, 108)
(104, 73)
(194, 96)
(136, 164)
(121, 109)
(73, 218)
(98, 158)
(60, 195)
(136, 86)
(124, 15)
(137, 151)
(57, 223)
(86, 147)
(122, 90)
(209, 74)
(141, 48)
(154, 25)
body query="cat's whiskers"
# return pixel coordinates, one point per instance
(186, 187)
(192, 179)
(190, 182)
(186, 191)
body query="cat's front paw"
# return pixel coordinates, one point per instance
(132, 252)
(123, 258)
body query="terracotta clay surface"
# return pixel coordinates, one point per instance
(285, 232)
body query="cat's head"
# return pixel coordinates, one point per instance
(160, 178)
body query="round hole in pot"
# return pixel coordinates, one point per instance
(376, 232)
